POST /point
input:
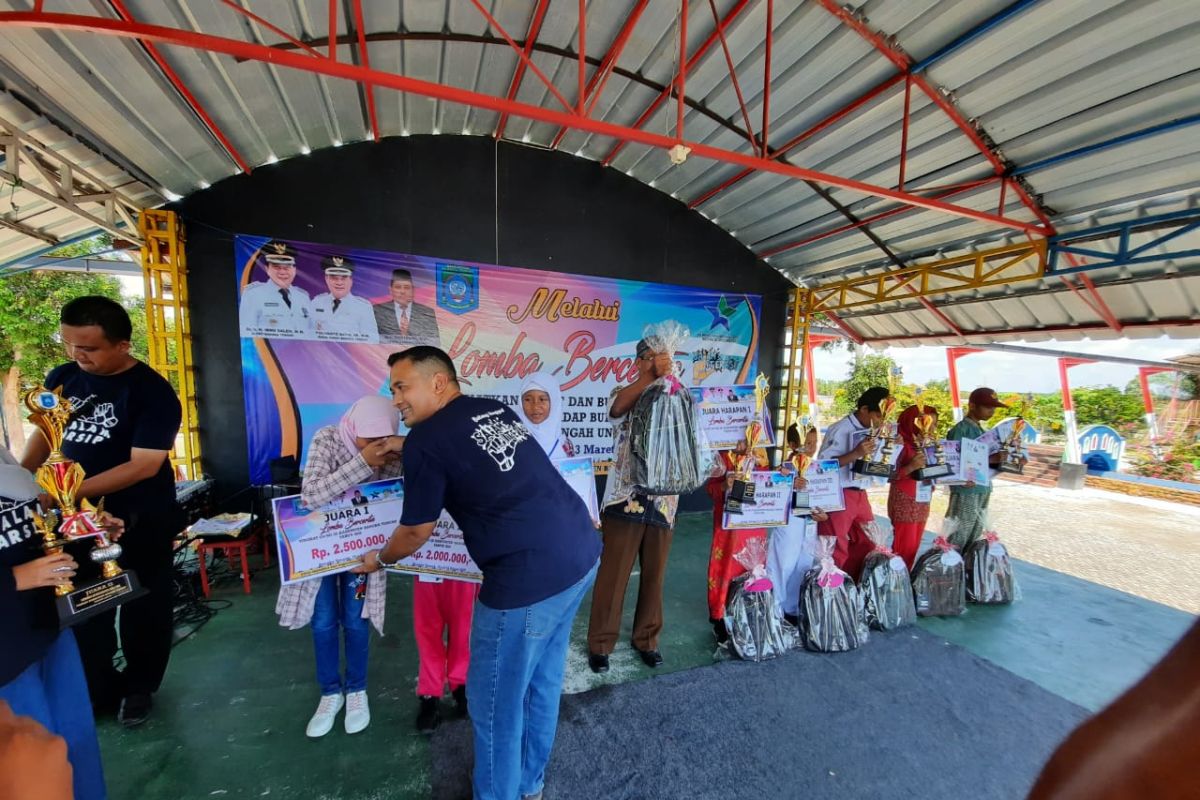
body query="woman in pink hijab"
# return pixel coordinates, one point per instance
(362, 447)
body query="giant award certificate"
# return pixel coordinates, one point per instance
(825, 486)
(772, 503)
(334, 537)
(724, 413)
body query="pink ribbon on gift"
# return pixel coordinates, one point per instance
(943, 543)
(673, 383)
(831, 577)
(759, 582)
(991, 536)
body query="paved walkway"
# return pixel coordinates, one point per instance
(1148, 548)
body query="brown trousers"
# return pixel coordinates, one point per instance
(625, 541)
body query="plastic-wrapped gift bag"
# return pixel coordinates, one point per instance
(939, 581)
(669, 454)
(885, 586)
(990, 578)
(756, 631)
(832, 619)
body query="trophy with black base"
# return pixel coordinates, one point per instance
(926, 439)
(881, 431)
(741, 492)
(800, 497)
(69, 521)
(1012, 454)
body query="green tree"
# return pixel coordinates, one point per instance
(1107, 405)
(866, 371)
(29, 348)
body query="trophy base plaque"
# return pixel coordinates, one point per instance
(85, 602)
(740, 494)
(874, 469)
(800, 501)
(932, 471)
(1013, 467)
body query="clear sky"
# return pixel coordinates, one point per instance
(1010, 372)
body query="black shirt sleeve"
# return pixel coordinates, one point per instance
(161, 414)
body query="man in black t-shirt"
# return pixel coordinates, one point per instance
(533, 539)
(123, 428)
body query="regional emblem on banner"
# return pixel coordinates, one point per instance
(458, 288)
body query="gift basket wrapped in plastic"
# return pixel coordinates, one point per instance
(939, 582)
(885, 586)
(831, 607)
(756, 631)
(990, 578)
(669, 455)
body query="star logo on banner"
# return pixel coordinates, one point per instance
(721, 313)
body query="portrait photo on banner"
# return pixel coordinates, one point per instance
(318, 321)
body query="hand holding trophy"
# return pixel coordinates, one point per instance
(881, 430)
(741, 492)
(926, 439)
(70, 521)
(1012, 453)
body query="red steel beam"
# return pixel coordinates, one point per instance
(582, 52)
(766, 117)
(182, 88)
(941, 195)
(904, 63)
(737, 87)
(691, 62)
(362, 49)
(1087, 326)
(272, 28)
(360, 74)
(599, 79)
(535, 27)
(904, 130)
(799, 138)
(680, 92)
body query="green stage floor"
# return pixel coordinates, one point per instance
(230, 717)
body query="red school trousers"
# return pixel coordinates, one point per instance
(442, 626)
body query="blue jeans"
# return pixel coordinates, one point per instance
(340, 605)
(54, 692)
(514, 683)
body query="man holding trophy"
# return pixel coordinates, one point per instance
(854, 438)
(122, 421)
(40, 673)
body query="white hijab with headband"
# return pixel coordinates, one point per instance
(370, 417)
(548, 432)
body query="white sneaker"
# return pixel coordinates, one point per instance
(358, 715)
(327, 711)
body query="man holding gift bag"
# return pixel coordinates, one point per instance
(636, 527)
(848, 440)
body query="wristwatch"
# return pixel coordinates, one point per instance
(384, 564)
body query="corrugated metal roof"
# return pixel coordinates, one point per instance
(1049, 78)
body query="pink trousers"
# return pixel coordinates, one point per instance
(442, 625)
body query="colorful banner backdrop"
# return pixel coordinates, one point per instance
(319, 321)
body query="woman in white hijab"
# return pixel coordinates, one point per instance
(541, 411)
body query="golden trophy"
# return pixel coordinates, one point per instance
(884, 430)
(742, 491)
(70, 521)
(1012, 453)
(800, 463)
(927, 440)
